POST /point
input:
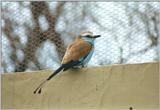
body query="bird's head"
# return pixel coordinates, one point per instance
(88, 36)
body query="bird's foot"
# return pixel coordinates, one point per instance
(84, 66)
(76, 67)
(79, 67)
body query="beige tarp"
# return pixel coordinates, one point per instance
(105, 87)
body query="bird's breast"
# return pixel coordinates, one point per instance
(87, 58)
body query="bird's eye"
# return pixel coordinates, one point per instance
(87, 36)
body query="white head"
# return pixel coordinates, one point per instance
(88, 36)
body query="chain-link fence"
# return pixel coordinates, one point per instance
(35, 34)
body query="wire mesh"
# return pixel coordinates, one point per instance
(36, 34)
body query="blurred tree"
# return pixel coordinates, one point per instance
(149, 23)
(35, 35)
(130, 34)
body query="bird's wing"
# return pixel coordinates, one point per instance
(78, 49)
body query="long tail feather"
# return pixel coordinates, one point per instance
(57, 71)
(44, 82)
(63, 66)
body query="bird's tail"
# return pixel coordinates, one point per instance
(57, 71)
(42, 84)
(62, 67)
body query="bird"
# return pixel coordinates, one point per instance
(77, 54)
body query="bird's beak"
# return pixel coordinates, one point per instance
(96, 36)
